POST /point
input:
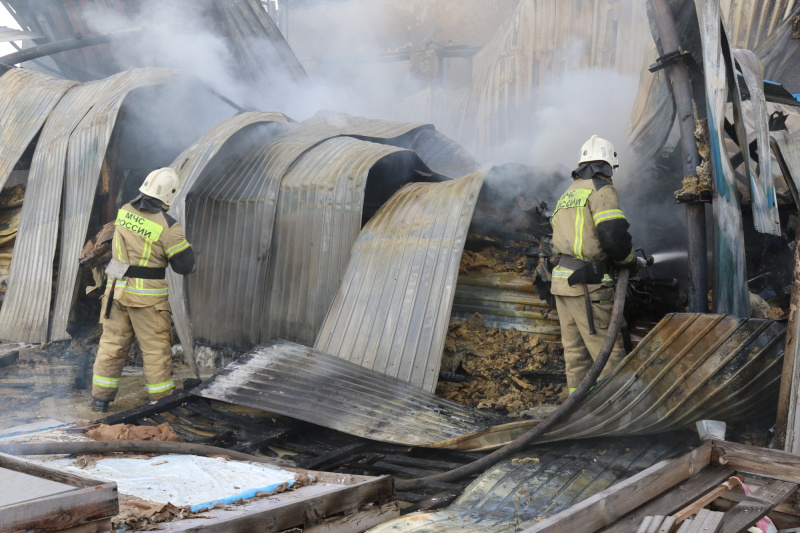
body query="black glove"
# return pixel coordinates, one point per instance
(632, 266)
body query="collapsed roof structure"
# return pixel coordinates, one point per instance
(342, 235)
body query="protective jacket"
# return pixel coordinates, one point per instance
(589, 225)
(149, 241)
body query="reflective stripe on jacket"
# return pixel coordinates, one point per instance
(589, 224)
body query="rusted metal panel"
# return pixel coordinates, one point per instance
(82, 121)
(538, 483)
(689, 367)
(504, 301)
(26, 99)
(749, 23)
(238, 23)
(391, 310)
(319, 216)
(85, 155)
(293, 380)
(10, 34)
(190, 166)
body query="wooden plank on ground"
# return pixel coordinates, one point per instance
(9, 353)
(706, 521)
(613, 503)
(674, 499)
(776, 464)
(750, 510)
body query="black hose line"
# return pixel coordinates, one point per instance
(560, 413)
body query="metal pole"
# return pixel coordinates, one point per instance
(695, 212)
(42, 50)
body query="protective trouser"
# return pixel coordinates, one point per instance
(580, 347)
(152, 326)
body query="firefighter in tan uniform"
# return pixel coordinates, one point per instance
(146, 239)
(590, 234)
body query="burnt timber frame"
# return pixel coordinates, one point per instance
(606, 508)
(93, 502)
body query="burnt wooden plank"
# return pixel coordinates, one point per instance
(404, 460)
(611, 504)
(148, 410)
(430, 503)
(776, 464)
(790, 380)
(334, 456)
(9, 354)
(674, 499)
(48, 514)
(747, 512)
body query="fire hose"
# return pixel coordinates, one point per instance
(574, 399)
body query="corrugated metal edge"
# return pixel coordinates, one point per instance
(392, 307)
(190, 165)
(317, 221)
(443, 154)
(730, 285)
(538, 483)
(25, 314)
(26, 99)
(10, 34)
(762, 185)
(689, 367)
(297, 381)
(85, 156)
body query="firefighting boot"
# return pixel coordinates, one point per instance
(99, 405)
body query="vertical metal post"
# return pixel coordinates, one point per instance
(695, 212)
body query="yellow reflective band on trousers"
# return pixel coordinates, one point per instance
(563, 272)
(147, 292)
(139, 225)
(181, 246)
(160, 387)
(109, 383)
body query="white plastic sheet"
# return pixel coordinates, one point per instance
(199, 482)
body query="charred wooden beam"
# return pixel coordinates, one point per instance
(329, 459)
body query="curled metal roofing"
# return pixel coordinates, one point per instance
(82, 121)
(505, 301)
(539, 483)
(689, 367)
(319, 216)
(392, 307)
(293, 380)
(26, 99)
(85, 155)
(190, 166)
(238, 23)
(274, 227)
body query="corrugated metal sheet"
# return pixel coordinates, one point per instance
(762, 186)
(300, 382)
(778, 53)
(505, 301)
(543, 40)
(190, 166)
(87, 149)
(689, 367)
(653, 113)
(240, 23)
(26, 99)
(730, 280)
(10, 34)
(391, 310)
(82, 120)
(750, 23)
(318, 218)
(539, 483)
(232, 212)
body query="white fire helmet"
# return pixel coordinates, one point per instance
(598, 149)
(162, 183)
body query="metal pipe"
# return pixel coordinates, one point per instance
(697, 243)
(574, 399)
(64, 45)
